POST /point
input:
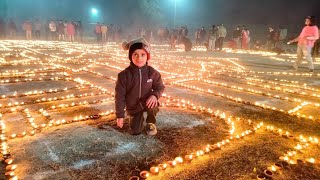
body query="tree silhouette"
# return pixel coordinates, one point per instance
(151, 9)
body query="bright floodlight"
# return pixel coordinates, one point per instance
(94, 11)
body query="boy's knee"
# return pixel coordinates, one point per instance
(154, 110)
(136, 131)
(136, 125)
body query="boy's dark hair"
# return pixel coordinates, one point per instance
(312, 20)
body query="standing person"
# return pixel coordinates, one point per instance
(185, 31)
(27, 26)
(111, 33)
(306, 39)
(245, 34)
(222, 33)
(2, 28)
(173, 39)
(138, 89)
(315, 49)
(166, 34)
(80, 30)
(70, 31)
(203, 34)
(212, 38)
(37, 29)
(117, 31)
(272, 39)
(12, 29)
(98, 31)
(60, 30)
(47, 30)
(282, 36)
(65, 24)
(187, 43)
(237, 37)
(76, 30)
(104, 31)
(197, 37)
(53, 30)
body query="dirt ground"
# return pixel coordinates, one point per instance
(76, 138)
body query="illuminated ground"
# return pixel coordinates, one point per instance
(57, 119)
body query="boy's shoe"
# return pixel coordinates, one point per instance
(151, 129)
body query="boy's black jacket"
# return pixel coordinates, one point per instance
(134, 86)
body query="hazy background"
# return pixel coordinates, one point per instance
(134, 14)
(193, 12)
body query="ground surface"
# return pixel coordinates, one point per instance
(49, 92)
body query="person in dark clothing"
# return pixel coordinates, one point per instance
(60, 29)
(2, 28)
(203, 34)
(12, 29)
(98, 31)
(315, 49)
(187, 44)
(185, 31)
(76, 30)
(273, 38)
(197, 37)
(236, 35)
(138, 89)
(173, 39)
(37, 29)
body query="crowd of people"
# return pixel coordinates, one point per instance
(56, 30)
(213, 38)
(52, 30)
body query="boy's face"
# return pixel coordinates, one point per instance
(307, 22)
(139, 57)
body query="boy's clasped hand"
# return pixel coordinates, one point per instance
(152, 101)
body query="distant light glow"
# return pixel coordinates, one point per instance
(94, 11)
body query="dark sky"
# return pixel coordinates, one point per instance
(196, 12)
(251, 11)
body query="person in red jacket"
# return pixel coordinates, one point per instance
(138, 89)
(70, 31)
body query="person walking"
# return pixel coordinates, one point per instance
(245, 34)
(12, 29)
(237, 37)
(104, 31)
(60, 30)
(213, 34)
(37, 29)
(98, 31)
(70, 31)
(222, 33)
(27, 26)
(53, 30)
(306, 40)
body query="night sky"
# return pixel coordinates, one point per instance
(189, 12)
